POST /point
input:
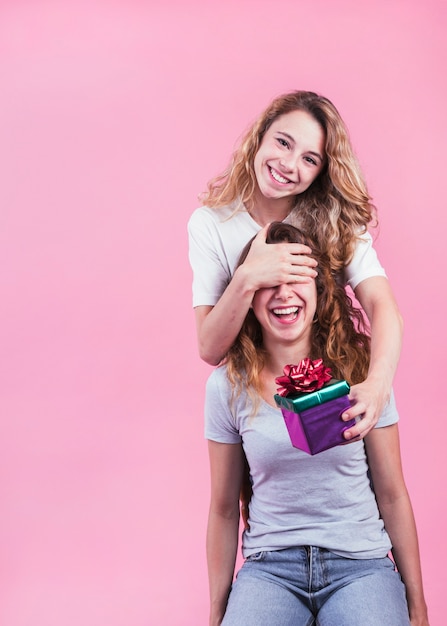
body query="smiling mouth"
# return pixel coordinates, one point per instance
(277, 176)
(288, 314)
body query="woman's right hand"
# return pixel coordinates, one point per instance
(269, 265)
(266, 265)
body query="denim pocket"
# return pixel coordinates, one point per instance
(257, 556)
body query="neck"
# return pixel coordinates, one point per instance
(274, 366)
(264, 210)
(279, 355)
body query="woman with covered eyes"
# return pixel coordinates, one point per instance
(295, 164)
(320, 527)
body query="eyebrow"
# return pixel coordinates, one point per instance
(317, 154)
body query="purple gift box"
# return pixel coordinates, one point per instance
(314, 419)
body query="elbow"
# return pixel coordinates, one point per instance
(392, 497)
(225, 510)
(208, 356)
(207, 338)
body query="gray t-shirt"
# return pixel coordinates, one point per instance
(325, 500)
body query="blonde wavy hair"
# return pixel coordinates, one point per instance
(339, 335)
(336, 208)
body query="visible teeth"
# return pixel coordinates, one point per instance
(278, 177)
(288, 311)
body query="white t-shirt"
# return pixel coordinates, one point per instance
(216, 241)
(325, 500)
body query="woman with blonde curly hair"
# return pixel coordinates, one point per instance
(319, 527)
(295, 164)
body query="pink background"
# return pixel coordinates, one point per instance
(113, 116)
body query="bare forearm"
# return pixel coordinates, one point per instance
(386, 343)
(222, 542)
(218, 328)
(378, 301)
(383, 451)
(400, 525)
(371, 396)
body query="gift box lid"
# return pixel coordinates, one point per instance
(302, 401)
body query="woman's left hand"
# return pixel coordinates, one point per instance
(368, 400)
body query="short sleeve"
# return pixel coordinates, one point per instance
(364, 264)
(219, 422)
(210, 275)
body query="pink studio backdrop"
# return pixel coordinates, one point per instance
(113, 116)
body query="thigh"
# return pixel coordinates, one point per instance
(261, 596)
(374, 595)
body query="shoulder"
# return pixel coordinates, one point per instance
(220, 392)
(218, 380)
(201, 220)
(206, 216)
(201, 214)
(218, 387)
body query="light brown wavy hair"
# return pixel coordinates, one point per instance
(336, 208)
(339, 334)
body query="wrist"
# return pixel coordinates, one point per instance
(419, 616)
(380, 381)
(417, 607)
(245, 281)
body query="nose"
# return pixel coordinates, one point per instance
(283, 292)
(288, 163)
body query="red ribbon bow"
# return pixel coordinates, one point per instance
(305, 377)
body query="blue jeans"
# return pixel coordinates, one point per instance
(307, 585)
